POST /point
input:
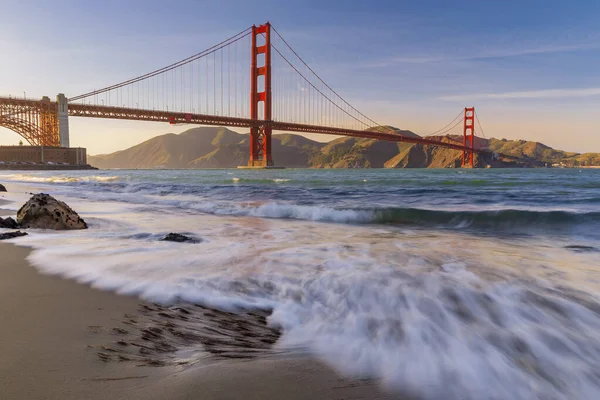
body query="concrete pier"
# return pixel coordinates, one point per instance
(63, 120)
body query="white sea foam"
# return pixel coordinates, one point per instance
(403, 306)
(310, 213)
(60, 178)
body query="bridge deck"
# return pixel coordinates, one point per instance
(95, 111)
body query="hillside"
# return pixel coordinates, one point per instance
(392, 129)
(170, 150)
(583, 160)
(216, 147)
(291, 150)
(525, 149)
(205, 147)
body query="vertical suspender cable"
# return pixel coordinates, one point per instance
(202, 89)
(206, 81)
(182, 105)
(222, 110)
(235, 77)
(229, 80)
(214, 83)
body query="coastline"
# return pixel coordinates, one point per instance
(50, 348)
(45, 167)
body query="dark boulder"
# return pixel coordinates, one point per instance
(43, 211)
(12, 235)
(8, 223)
(2, 188)
(179, 238)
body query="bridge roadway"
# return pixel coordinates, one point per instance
(95, 111)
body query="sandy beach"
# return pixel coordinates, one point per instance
(55, 332)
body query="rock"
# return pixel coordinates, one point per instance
(12, 235)
(2, 188)
(179, 238)
(581, 249)
(8, 223)
(45, 212)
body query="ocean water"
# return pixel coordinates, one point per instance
(454, 284)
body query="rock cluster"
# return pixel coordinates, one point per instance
(8, 223)
(179, 238)
(43, 211)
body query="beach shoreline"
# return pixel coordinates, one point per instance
(50, 350)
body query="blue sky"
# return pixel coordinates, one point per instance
(532, 68)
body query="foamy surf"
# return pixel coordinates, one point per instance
(425, 326)
(61, 178)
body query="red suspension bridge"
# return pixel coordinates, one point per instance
(213, 87)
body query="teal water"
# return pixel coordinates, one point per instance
(458, 284)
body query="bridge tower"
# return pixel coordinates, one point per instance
(63, 120)
(260, 97)
(468, 136)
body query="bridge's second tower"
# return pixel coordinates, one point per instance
(468, 136)
(260, 97)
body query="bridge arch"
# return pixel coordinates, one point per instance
(27, 130)
(36, 123)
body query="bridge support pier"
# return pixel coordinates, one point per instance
(468, 136)
(260, 147)
(63, 120)
(260, 135)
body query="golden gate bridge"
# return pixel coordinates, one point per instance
(213, 87)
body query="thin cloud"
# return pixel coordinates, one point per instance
(532, 94)
(421, 59)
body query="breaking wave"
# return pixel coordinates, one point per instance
(492, 219)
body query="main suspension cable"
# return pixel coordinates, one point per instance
(450, 123)
(479, 123)
(203, 53)
(321, 80)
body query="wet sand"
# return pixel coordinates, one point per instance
(60, 340)
(4, 212)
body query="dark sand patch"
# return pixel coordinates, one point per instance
(185, 334)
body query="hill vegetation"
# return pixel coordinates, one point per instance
(216, 147)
